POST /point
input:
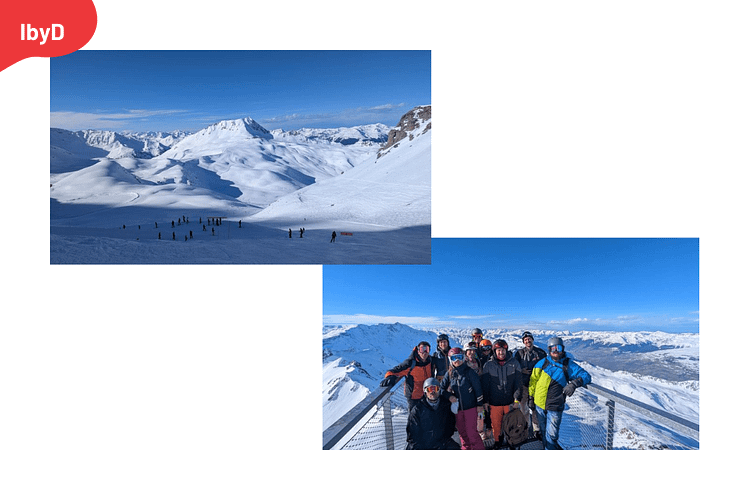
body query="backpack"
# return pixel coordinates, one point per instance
(515, 427)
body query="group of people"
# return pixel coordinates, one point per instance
(471, 389)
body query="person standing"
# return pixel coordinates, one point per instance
(554, 379)
(501, 386)
(472, 361)
(431, 422)
(440, 356)
(485, 351)
(416, 368)
(477, 335)
(333, 237)
(464, 390)
(527, 358)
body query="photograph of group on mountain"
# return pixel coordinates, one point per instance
(507, 344)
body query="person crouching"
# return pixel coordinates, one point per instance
(431, 422)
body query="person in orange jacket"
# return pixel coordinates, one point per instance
(417, 368)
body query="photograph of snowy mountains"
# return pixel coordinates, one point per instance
(264, 157)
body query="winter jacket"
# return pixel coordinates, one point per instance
(527, 359)
(501, 381)
(431, 428)
(548, 379)
(484, 358)
(441, 362)
(416, 372)
(464, 383)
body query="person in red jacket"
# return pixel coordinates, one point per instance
(416, 368)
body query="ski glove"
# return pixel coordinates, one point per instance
(388, 381)
(569, 389)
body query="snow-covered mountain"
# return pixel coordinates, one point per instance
(71, 150)
(356, 357)
(363, 135)
(386, 191)
(235, 169)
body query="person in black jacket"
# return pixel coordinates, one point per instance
(440, 356)
(465, 390)
(431, 422)
(501, 386)
(527, 358)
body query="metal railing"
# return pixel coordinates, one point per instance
(600, 418)
(595, 418)
(377, 423)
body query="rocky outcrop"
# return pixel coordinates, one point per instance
(414, 123)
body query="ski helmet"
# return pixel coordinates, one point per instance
(430, 382)
(455, 350)
(527, 334)
(476, 331)
(443, 336)
(485, 344)
(555, 341)
(500, 343)
(471, 345)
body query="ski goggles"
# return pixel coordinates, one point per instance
(487, 348)
(432, 389)
(556, 348)
(424, 348)
(457, 357)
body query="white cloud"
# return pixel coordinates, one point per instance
(371, 319)
(73, 120)
(349, 117)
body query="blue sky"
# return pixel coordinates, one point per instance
(561, 284)
(189, 90)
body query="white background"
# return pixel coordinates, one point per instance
(625, 119)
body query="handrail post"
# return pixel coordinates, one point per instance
(388, 421)
(610, 425)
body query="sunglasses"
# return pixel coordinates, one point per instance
(457, 357)
(556, 348)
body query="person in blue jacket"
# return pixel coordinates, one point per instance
(553, 379)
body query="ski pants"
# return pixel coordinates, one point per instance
(466, 423)
(496, 415)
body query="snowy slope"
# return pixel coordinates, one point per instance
(355, 358)
(386, 191)
(99, 184)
